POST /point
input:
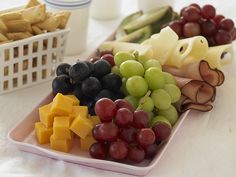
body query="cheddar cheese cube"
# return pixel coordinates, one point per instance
(45, 116)
(63, 145)
(42, 133)
(76, 101)
(95, 120)
(61, 105)
(86, 142)
(81, 126)
(79, 110)
(61, 128)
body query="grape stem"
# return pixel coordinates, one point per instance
(143, 100)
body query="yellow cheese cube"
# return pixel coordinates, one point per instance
(42, 133)
(95, 119)
(60, 145)
(81, 126)
(45, 116)
(76, 101)
(79, 110)
(86, 142)
(61, 128)
(62, 105)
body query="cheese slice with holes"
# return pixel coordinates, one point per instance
(188, 51)
(219, 56)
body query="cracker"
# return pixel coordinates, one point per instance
(34, 14)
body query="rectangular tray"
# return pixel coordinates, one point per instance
(23, 136)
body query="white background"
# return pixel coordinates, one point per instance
(205, 145)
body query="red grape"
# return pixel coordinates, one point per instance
(128, 134)
(106, 109)
(94, 59)
(162, 130)
(226, 24)
(191, 14)
(109, 58)
(217, 19)
(124, 117)
(208, 11)
(182, 11)
(122, 103)
(233, 34)
(136, 154)
(108, 131)
(195, 5)
(151, 150)
(177, 27)
(145, 137)
(211, 41)
(222, 37)
(208, 28)
(140, 119)
(96, 134)
(191, 29)
(98, 150)
(118, 150)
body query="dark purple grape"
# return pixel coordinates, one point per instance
(61, 84)
(91, 87)
(90, 66)
(63, 68)
(101, 68)
(94, 59)
(79, 72)
(111, 81)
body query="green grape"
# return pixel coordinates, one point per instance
(161, 99)
(173, 91)
(154, 78)
(123, 86)
(115, 70)
(159, 119)
(121, 56)
(152, 63)
(171, 114)
(132, 100)
(131, 68)
(137, 86)
(169, 78)
(146, 104)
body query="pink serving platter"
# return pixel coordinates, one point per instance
(23, 136)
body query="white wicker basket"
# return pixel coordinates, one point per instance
(31, 61)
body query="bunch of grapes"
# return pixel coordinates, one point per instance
(196, 20)
(124, 133)
(146, 86)
(88, 81)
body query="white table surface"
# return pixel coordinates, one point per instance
(205, 145)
